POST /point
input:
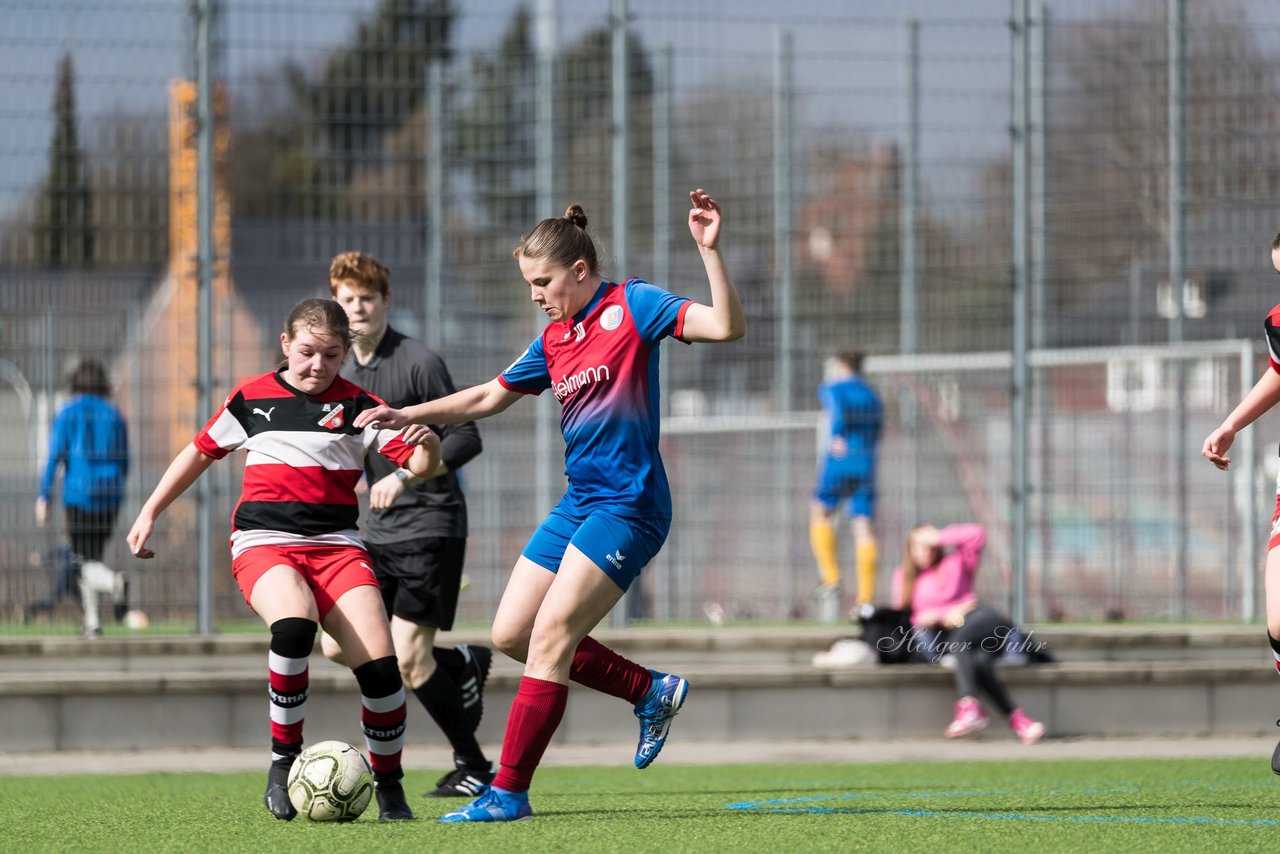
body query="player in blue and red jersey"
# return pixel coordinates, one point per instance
(295, 550)
(1264, 395)
(599, 357)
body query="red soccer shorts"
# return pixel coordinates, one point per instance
(329, 571)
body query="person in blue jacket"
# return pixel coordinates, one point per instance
(89, 442)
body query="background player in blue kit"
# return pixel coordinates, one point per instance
(599, 357)
(852, 416)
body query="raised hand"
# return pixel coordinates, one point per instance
(704, 219)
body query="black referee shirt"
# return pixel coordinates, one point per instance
(404, 372)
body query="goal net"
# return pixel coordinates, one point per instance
(1124, 518)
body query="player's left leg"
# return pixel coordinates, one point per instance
(353, 612)
(862, 511)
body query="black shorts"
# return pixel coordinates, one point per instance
(88, 530)
(420, 578)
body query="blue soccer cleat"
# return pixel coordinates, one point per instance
(493, 805)
(655, 710)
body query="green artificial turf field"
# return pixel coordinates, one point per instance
(1025, 806)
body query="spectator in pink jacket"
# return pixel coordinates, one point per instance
(935, 583)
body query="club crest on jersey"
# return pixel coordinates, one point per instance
(333, 418)
(611, 318)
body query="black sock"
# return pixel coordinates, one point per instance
(1275, 644)
(450, 659)
(442, 699)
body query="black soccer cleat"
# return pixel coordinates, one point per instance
(392, 805)
(475, 672)
(461, 782)
(1275, 759)
(277, 796)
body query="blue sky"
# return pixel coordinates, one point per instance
(848, 56)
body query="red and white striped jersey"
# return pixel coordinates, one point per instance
(1272, 326)
(304, 460)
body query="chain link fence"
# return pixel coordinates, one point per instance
(864, 160)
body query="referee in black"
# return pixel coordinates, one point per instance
(416, 530)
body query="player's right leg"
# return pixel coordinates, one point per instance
(441, 696)
(822, 540)
(536, 709)
(1271, 587)
(280, 596)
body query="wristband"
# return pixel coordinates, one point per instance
(404, 475)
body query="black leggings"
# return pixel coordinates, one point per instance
(977, 646)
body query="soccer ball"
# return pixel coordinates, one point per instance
(330, 781)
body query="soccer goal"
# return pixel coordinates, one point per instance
(1125, 520)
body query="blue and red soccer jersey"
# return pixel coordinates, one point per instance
(602, 365)
(304, 460)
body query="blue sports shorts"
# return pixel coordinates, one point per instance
(620, 545)
(837, 483)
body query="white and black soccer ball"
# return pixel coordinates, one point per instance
(331, 781)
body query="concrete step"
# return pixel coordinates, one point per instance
(97, 710)
(746, 645)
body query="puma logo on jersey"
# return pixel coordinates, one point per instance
(332, 419)
(266, 415)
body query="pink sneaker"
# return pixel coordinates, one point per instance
(1028, 730)
(969, 718)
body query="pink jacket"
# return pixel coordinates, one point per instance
(948, 583)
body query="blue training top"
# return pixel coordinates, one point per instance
(602, 365)
(855, 413)
(90, 439)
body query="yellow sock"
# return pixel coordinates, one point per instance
(866, 554)
(822, 537)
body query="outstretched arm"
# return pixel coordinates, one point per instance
(723, 319)
(185, 469)
(1264, 395)
(470, 404)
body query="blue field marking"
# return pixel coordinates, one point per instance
(809, 805)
